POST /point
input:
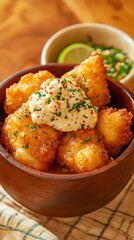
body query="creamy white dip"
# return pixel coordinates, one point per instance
(64, 106)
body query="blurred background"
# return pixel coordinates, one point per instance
(25, 26)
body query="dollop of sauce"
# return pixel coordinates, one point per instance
(64, 106)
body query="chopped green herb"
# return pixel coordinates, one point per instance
(59, 93)
(78, 105)
(79, 90)
(63, 80)
(58, 114)
(33, 127)
(57, 97)
(15, 133)
(49, 100)
(80, 84)
(73, 75)
(26, 114)
(51, 79)
(37, 109)
(82, 125)
(72, 90)
(85, 116)
(26, 125)
(86, 88)
(40, 94)
(95, 108)
(25, 146)
(86, 140)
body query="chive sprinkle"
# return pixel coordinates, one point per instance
(26, 114)
(36, 109)
(25, 146)
(49, 100)
(40, 94)
(86, 140)
(33, 127)
(63, 80)
(15, 133)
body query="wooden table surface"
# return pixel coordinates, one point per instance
(26, 25)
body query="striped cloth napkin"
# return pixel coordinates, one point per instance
(113, 221)
(16, 226)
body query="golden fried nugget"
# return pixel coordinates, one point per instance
(81, 151)
(30, 144)
(19, 92)
(114, 129)
(90, 75)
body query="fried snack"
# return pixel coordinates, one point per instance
(90, 75)
(114, 129)
(81, 151)
(30, 144)
(19, 92)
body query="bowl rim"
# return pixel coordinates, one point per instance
(85, 25)
(60, 176)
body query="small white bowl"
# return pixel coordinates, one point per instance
(100, 34)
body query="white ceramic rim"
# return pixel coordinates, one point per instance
(80, 25)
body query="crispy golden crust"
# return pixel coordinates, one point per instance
(30, 144)
(19, 92)
(114, 129)
(90, 75)
(81, 151)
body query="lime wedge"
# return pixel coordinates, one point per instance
(74, 53)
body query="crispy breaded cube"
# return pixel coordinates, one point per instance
(90, 75)
(114, 129)
(81, 151)
(30, 144)
(18, 93)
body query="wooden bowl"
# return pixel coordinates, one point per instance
(67, 195)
